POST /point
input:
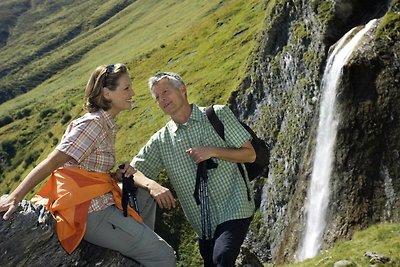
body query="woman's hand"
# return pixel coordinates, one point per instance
(124, 170)
(38, 174)
(127, 169)
(8, 204)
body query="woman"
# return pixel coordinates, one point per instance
(81, 194)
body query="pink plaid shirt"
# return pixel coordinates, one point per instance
(90, 141)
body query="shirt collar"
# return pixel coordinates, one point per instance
(109, 120)
(196, 115)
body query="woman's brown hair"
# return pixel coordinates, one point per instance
(103, 76)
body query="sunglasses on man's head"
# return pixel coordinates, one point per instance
(161, 75)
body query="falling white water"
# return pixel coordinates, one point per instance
(319, 190)
(389, 191)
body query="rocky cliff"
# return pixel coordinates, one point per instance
(280, 98)
(28, 239)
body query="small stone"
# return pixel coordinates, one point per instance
(344, 263)
(376, 257)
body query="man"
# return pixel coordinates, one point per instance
(202, 169)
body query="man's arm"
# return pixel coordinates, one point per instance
(237, 138)
(246, 153)
(161, 194)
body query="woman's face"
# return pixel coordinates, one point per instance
(121, 97)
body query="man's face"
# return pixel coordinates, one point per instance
(169, 98)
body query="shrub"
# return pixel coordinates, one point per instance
(4, 159)
(8, 147)
(66, 118)
(5, 120)
(16, 162)
(55, 141)
(30, 158)
(23, 113)
(47, 112)
(17, 177)
(23, 140)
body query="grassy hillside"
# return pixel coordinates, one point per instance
(383, 239)
(208, 43)
(38, 29)
(53, 47)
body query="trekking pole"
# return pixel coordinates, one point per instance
(128, 193)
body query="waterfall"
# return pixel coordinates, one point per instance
(389, 192)
(319, 190)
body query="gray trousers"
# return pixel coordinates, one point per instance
(110, 229)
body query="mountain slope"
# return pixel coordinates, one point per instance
(208, 43)
(38, 32)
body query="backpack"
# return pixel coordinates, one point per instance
(260, 165)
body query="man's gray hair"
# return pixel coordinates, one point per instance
(173, 78)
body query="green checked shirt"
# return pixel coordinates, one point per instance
(166, 150)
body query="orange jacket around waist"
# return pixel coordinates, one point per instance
(67, 195)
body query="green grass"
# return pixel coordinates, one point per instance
(390, 25)
(382, 239)
(208, 44)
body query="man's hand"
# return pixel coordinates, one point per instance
(8, 204)
(162, 196)
(245, 153)
(199, 154)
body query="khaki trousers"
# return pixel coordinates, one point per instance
(110, 229)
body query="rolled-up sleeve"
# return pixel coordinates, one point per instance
(80, 141)
(149, 160)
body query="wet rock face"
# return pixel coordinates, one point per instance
(26, 242)
(280, 99)
(365, 175)
(350, 13)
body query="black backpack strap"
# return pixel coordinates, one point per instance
(219, 128)
(215, 121)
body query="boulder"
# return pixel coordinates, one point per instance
(28, 238)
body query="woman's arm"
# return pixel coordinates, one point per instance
(38, 174)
